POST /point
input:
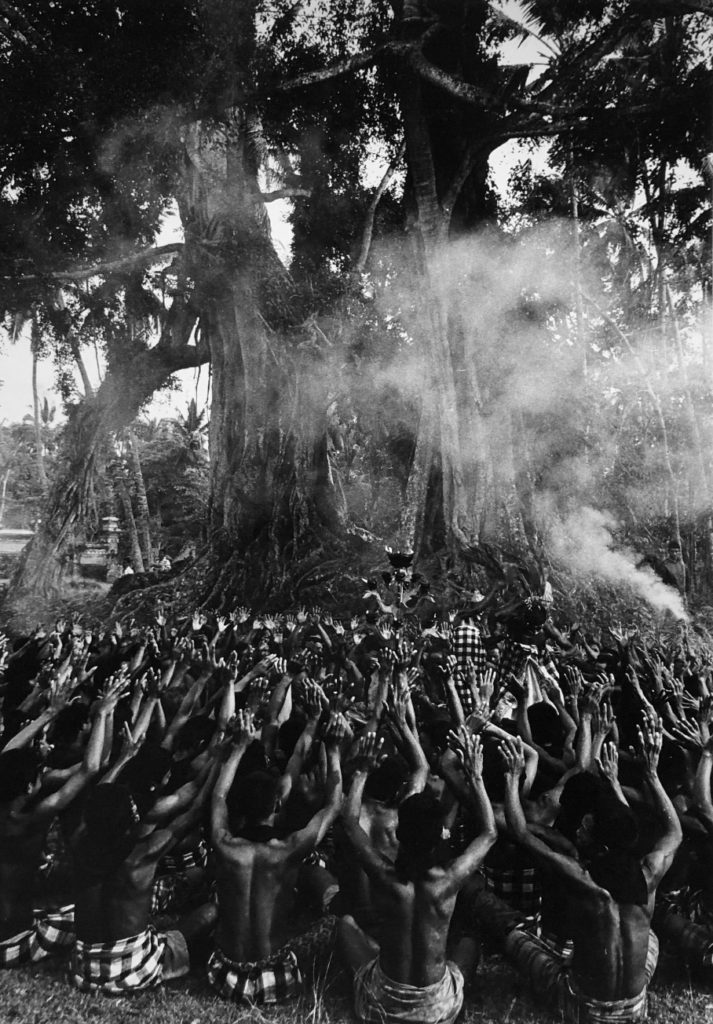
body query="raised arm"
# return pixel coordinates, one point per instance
(702, 786)
(376, 866)
(568, 869)
(312, 703)
(185, 709)
(244, 734)
(400, 715)
(303, 842)
(659, 860)
(470, 753)
(53, 804)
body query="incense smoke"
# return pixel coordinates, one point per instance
(584, 543)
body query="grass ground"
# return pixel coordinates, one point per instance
(41, 995)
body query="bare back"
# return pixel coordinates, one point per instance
(117, 905)
(22, 841)
(414, 919)
(256, 882)
(379, 822)
(610, 945)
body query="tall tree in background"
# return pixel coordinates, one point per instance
(200, 104)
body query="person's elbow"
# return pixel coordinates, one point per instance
(489, 834)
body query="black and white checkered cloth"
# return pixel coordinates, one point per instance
(128, 965)
(264, 982)
(467, 643)
(52, 933)
(513, 660)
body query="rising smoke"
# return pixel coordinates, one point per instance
(511, 301)
(584, 542)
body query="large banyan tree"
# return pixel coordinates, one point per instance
(116, 113)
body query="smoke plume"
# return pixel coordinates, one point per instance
(584, 542)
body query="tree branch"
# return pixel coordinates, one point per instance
(81, 273)
(461, 176)
(371, 210)
(469, 93)
(339, 68)
(285, 193)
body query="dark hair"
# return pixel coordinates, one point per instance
(252, 796)
(289, 733)
(437, 730)
(253, 760)
(614, 826)
(109, 813)
(579, 796)
(145, 772)
(621, 875)
(546, 727)
(493, 775)
(68, 724)
(385, 782)
(419, 834)
(195, 734)
(110, 820)
(673, 767)
(18, 770)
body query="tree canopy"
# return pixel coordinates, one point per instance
(444, 360)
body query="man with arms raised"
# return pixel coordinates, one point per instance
(407, 976)
(26, 813)
(115, 859)
(611, 893)
(256, 867)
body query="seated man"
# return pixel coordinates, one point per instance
(611, 900)
(26, 813)
(394, 780)
(115, 859)
(256, 867)
(406, 976)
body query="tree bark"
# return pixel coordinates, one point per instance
(272, 500)
(135, 555)
(126, 387)
(142, 515)
(39, 440)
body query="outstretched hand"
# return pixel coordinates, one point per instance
(243, 728)
(512, 752)
(335, 731)
(368, 751)
(608, 762)
(469, 751)
(650, 738)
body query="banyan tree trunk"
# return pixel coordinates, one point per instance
(115, 404)
(272, 500)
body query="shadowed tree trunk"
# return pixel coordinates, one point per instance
(90, 424)
(39, 441)
(142, 503)
(463, 494)
(272, 496)
(135, 556)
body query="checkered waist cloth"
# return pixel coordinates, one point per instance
(518, 887)
(176, 863)
(51, 934)
(275, 979)
(121, 966)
